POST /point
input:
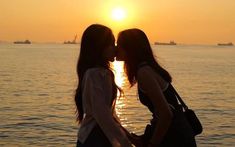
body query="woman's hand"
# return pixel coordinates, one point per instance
(150, 144)
(136, 140)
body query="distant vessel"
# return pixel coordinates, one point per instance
(22, 42)
(71, 42)
(225, 44)
(165, 43)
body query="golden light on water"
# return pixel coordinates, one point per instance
(118, 72)
(119, 79)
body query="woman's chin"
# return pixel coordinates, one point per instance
(111, 60)
(119, 59)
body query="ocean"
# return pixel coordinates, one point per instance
(37, 84)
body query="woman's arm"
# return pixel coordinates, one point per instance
(135, 139)
(101, 110)
(149, 83)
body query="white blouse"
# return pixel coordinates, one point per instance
(97, 99)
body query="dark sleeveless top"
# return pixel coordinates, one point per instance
(168, 94)
(179, 133)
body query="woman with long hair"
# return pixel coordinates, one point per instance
(168, 127)
(96, 91)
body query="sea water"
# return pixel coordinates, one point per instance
(37, 84)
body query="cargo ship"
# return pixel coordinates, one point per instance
(22, 42)
(165, 43)
(225, 44)
(71, 42)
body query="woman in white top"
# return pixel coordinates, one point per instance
(168, 127)
(96, 91)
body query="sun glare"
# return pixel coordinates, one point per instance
(118, 71)
(118, 14)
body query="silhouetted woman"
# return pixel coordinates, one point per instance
(97, 91)
(155, 92)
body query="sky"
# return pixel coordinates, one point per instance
(184, 21)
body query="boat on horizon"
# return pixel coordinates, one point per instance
(225, 44)
(165, 43)
(71, 42)
(22, 42)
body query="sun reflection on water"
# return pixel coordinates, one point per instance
(118, 70)
(117, 67)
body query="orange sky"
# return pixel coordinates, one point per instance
(185, 21)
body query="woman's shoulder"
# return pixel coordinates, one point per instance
(98, 72)
(143, 70)
(147, 71)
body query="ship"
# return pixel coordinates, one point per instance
(22, 42)
(71, 42)
(165, 43)
(225, 44)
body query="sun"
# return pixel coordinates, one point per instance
(118, 14)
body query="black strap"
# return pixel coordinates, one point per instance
(142, 64)
(179, 98)
(176, 93)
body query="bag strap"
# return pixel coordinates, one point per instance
(179, 98)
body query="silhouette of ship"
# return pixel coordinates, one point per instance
(71, 42)
(165, 43)
(22, 42)
(225, 44)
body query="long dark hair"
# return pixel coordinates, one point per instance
(137, 48)
(94, 40)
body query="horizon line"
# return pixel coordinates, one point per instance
(78, 43)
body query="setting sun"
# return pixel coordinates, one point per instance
(118, 14)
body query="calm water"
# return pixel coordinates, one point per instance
(37, 84)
